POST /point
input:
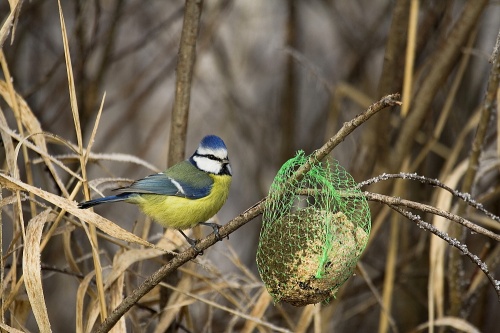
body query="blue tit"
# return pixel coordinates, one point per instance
(184, 195)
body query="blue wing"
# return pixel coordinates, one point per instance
(183, 180)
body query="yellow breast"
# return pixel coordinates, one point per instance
(181, 213)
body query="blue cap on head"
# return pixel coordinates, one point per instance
(212, 142)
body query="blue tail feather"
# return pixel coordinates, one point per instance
(112, 198)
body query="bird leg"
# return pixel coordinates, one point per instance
(215, 227)
(191, 242)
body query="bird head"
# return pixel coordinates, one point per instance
(211, 156)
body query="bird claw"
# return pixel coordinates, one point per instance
(192, 242)
(215, 227)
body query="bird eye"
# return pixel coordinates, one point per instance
(211, 157)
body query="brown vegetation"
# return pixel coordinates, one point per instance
(93, 91)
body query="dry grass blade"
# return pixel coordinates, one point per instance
(455, 263)
(68, 252)
(9, 21)
(32, 125)
(71, 80)
(94, 132)
(410, 57)
(124, 260)
(8, 144)
(76, 118)
(259, 308)
(377, 296)
(85, 215)
(242, 315)
(10, 329)
(437, 70)
(15, 104)
(431, 142)
(113, 157)
(2, 266)
(436, 294)
(32, 270)
(392, 259)
(498, 120)
(92, 314)
(12, 134)
(80, 298)
(116, 297)
(305, 319)
(453, 322)
(175, 304)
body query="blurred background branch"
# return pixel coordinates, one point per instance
(180, 114)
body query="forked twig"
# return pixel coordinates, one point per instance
(466, 197)
(397, 204)
(452, 241)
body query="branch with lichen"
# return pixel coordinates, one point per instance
(399, 205)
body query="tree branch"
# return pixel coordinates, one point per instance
(242, 219)
(184, 76)
(453, 242)
(393, 201)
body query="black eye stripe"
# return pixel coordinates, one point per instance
(210, 156)
(224, 169)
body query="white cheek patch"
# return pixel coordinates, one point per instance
(207, 165)
(220, 153)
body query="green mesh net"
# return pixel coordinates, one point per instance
(314, 231)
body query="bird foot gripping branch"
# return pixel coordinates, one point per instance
(194, 242)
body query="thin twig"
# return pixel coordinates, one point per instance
(452, 241)
(376, 294)
(487, 109)
(180, 110)
(184, 76)
(466, 197)
(436, 71)
(455, 262)
(347, 128)
(393, 201)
